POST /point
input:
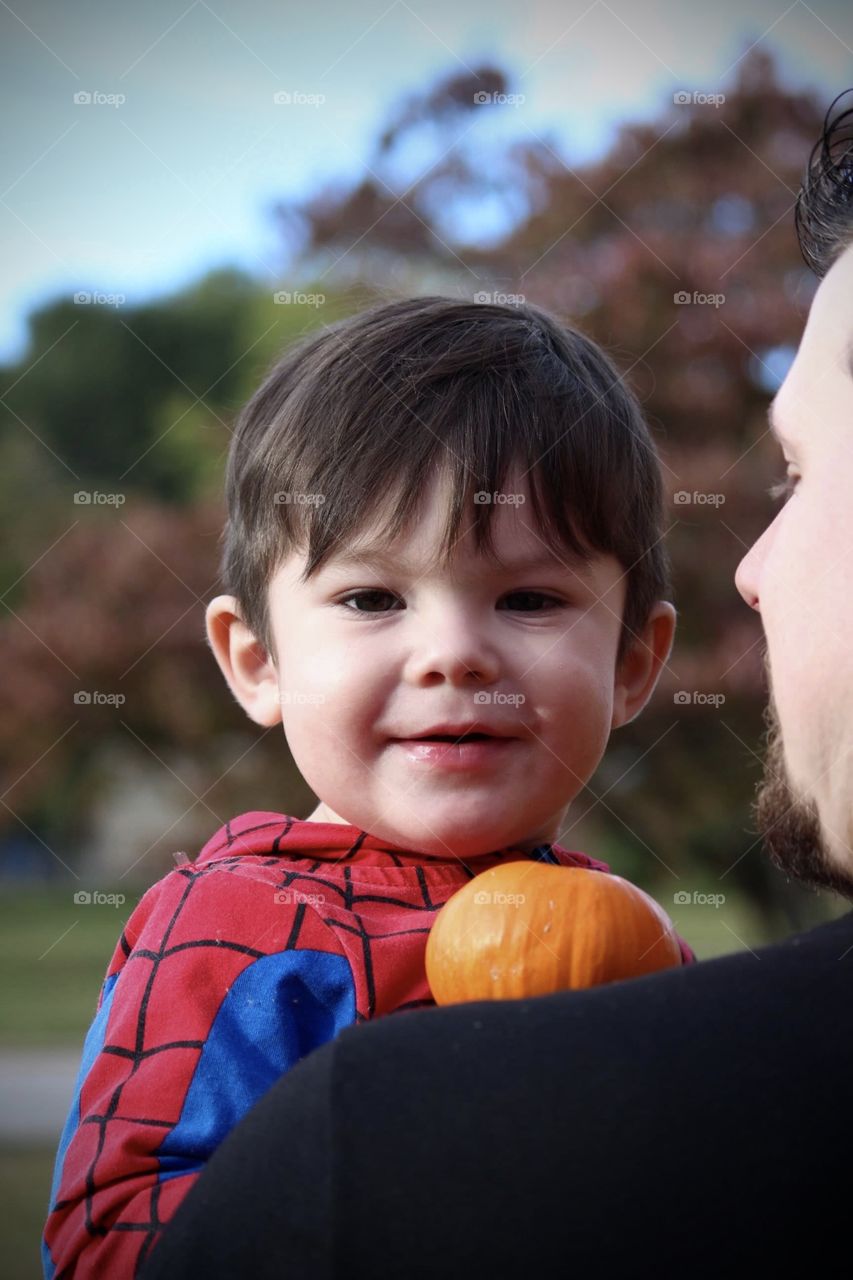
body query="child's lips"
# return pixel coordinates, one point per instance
(474, 753)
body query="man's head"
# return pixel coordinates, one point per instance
(799, 574)
(459, 439)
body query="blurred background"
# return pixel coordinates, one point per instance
(187, 190)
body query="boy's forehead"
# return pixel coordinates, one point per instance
(424, 531)
(415, 557)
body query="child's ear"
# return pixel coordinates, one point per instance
(245, 664)
(638, 671)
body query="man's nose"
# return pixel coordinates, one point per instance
(747, 575)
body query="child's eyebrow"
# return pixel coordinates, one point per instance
(380, 558)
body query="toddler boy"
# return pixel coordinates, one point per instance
(445, 577)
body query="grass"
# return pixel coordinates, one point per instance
(54, 954)
(25, 1175)
(53, 957)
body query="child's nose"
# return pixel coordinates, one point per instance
(456, 649)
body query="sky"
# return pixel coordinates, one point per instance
(172, 165)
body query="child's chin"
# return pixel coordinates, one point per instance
(448, 837)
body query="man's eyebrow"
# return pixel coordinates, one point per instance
(382, 558)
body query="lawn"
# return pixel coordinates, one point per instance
(25, 1175)
(54, 954)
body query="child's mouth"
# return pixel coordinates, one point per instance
(446, 751)
(449, 737)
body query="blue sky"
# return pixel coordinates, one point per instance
(138, 198)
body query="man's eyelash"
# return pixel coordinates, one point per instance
(783, 488)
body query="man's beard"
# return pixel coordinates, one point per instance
(790, 824)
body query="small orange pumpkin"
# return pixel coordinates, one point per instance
(530, 928)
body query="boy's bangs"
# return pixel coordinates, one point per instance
(355, 424)
(532, 465)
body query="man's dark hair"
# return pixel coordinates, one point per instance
(367, 411)
(824, 212)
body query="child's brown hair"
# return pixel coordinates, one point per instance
(368, 410)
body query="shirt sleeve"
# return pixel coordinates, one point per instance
(219, 984)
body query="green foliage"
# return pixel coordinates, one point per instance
(139, 401)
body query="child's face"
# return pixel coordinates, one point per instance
(528, 653)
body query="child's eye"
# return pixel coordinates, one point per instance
(784, 488)
(536, 595)
(360, 595)
(389, 595)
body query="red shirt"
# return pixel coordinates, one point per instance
(231, 969)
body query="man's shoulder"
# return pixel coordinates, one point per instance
(734, 1005)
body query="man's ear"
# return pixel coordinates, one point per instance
(245, 664)
(638, 671)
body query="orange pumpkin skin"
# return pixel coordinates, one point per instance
(531, 928)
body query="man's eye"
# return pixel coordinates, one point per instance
(784, 488)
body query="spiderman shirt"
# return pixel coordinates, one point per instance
(231, 969)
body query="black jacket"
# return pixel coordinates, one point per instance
(682, 1124)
